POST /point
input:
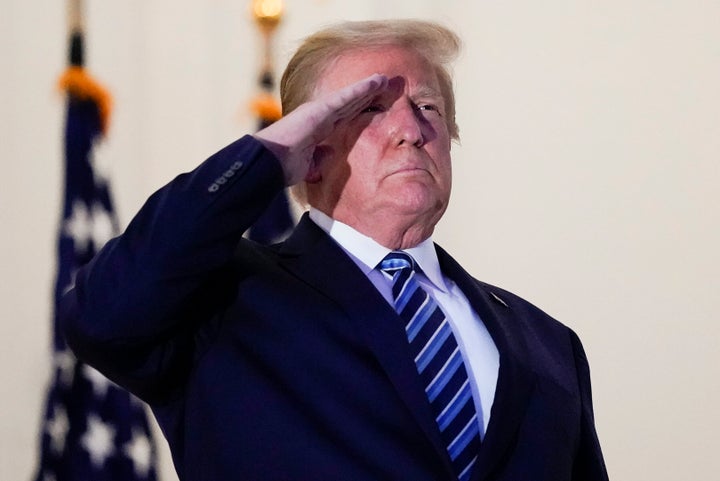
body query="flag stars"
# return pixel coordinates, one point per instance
(102, 225)
(139, 451)
(84, 226)
(65, 364)
(100, 383)
(57, 428)
(79, 227)
(98, 440)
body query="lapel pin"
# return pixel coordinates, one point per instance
(497, 298)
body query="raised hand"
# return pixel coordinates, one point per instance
(294, 137)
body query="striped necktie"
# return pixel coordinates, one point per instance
(438, 361)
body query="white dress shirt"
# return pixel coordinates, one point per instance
(479, 352)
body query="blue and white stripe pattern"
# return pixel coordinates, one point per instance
(439, 362)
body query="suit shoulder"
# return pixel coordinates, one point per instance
(520, 306)
(250, 254)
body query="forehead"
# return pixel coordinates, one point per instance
(418, 73)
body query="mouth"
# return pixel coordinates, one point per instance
(410, 170)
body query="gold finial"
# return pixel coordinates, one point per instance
(267, 13)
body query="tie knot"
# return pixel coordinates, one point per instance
(397, 261)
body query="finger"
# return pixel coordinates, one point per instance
(355, 96)
(360, 94)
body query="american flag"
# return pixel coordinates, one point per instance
(92, 430)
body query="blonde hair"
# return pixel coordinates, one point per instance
(436, 43)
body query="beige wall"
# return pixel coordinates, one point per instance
(587, 180)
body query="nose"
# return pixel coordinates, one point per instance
(405, 124)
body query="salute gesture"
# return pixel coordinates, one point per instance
(293, 138)
(243, 350)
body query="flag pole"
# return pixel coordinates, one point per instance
(75, 81)
(75, 16)
(276, 222)
(267, 15)
(76, 27)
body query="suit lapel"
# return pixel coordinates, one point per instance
(312, 256)
(516, 379)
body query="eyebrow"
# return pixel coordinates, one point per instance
(425, 91)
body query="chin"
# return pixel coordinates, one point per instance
(419, 203)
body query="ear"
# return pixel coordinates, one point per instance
(320, 155)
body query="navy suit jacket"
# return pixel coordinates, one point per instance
(284, 362)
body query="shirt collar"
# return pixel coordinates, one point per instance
(367, 253)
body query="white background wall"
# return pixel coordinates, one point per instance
(587, 180)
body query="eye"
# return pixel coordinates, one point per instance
(372, 108)
(430, 108)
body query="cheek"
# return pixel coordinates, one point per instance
(364, 150)
(444, 177)
(367, 138)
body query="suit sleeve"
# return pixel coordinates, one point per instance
(589, 463)
(136, 309)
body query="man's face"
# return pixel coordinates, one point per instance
(390, 161)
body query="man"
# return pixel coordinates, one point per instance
(356, 349)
